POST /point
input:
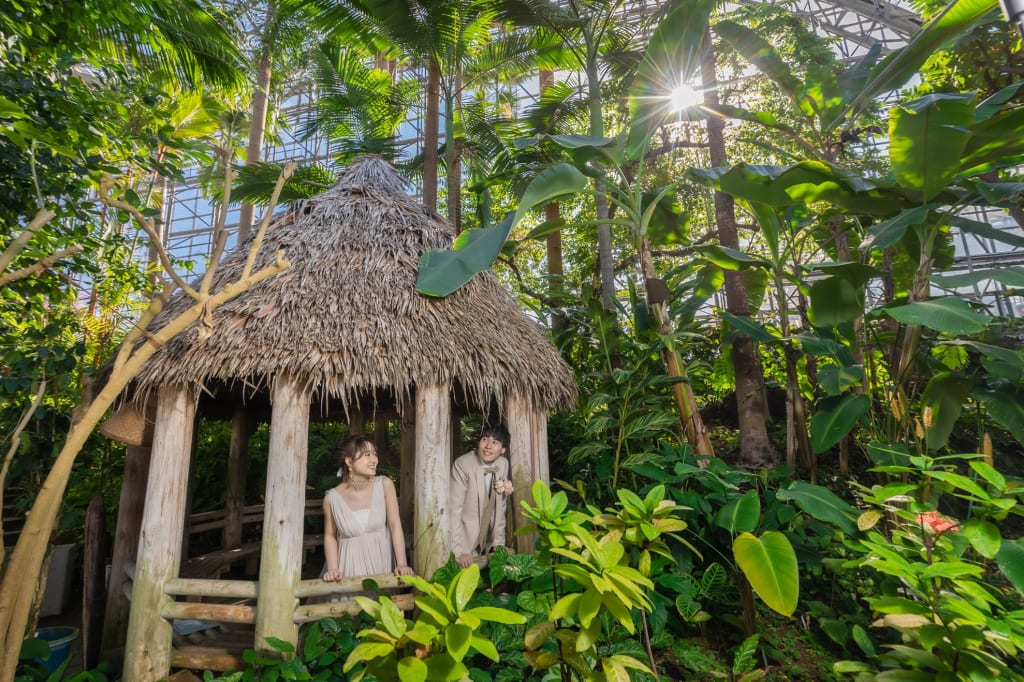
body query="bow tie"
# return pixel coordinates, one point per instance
(489, 468)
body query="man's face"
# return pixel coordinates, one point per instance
(489, 449)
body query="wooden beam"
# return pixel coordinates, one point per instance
(148, 647)
(207, 658)
(281, 559)
(220, 613)
(310, 612)
(200, 587)
(126, 543)
(432, 528)
(528, 457)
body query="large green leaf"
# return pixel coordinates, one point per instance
(822, 504)
(442, 272)
(834, 379)
(889, 232)
(927, 137)
(669, 62)
(994, 103)
(896, 69)
(747, 326)
(835, 301)
(1012, 275)
(980, 229)
(740, 514)
(764, 56)
(1010, 559)
(834, 418)
(994, 142)
(951, 315)
(945, 395)
(1006, 406)
(770, 566)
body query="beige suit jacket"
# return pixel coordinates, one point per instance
(468, 499)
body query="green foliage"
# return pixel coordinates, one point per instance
(947, 586)
(434, 646)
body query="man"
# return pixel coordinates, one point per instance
(478, 494)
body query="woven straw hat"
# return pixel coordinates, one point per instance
(130, 424)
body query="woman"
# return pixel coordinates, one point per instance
(360, 513)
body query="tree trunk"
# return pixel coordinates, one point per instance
(756, 450)
(552, 211)
(431, 123)
(257, 131)
(605, 264)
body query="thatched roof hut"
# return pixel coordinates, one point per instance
(345, 317)
(340, 335)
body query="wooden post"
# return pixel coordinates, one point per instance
(407, 473)
(186, 534)
(380, 433)
(528, 457)
(126, 544)
(283, 515)
(94, 564)
(357, 424)
(238, 465)
(148, 649)
(432, 534)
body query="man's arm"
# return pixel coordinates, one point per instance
(460, 546)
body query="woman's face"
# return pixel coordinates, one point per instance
(489, 449)
(364, 464)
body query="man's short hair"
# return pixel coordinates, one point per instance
(498, 433)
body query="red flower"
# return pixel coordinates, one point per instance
(936, 523)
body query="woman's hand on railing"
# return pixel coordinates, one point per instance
(332, 576)
(404, 570)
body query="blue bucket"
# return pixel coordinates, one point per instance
(59, 639)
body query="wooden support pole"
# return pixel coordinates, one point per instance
(528, 457)
(126, 544)
(380, 432)
(238, 465)
(407, 475)
(281, 557)
(432, 534)
(148, 648)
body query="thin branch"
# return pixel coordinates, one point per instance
(220, 236)
(542, 297)
(43, 216)
(286, 173)
(40, 266)
(15, 441)
(106, 185)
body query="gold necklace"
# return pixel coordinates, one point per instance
(357, 486)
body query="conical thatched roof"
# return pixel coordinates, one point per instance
(345, 316)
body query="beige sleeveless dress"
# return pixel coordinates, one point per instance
(364, 543)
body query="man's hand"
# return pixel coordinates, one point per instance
(463, 560)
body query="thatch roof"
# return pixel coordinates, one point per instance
(345, 317)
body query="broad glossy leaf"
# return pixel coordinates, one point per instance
(1012, 275)
(927, 137)
(412, 669)
(495, 614)
(897, 68)
(822, 504)
(985, 230)
(747, 326)
(740, 514)
(835, 301)
(945, 395)
(444, 668)
(764, 56)
(888, 454)
(994, 103)
(770, 566)
(670, 59)
(834, 379)
(456, 640)
(442, 272)
(1006, 406)
(888, 232)
(465, 586)
(835, 417)
(984, 537)
(951, 315)
(1010, 559)
(392, 618)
